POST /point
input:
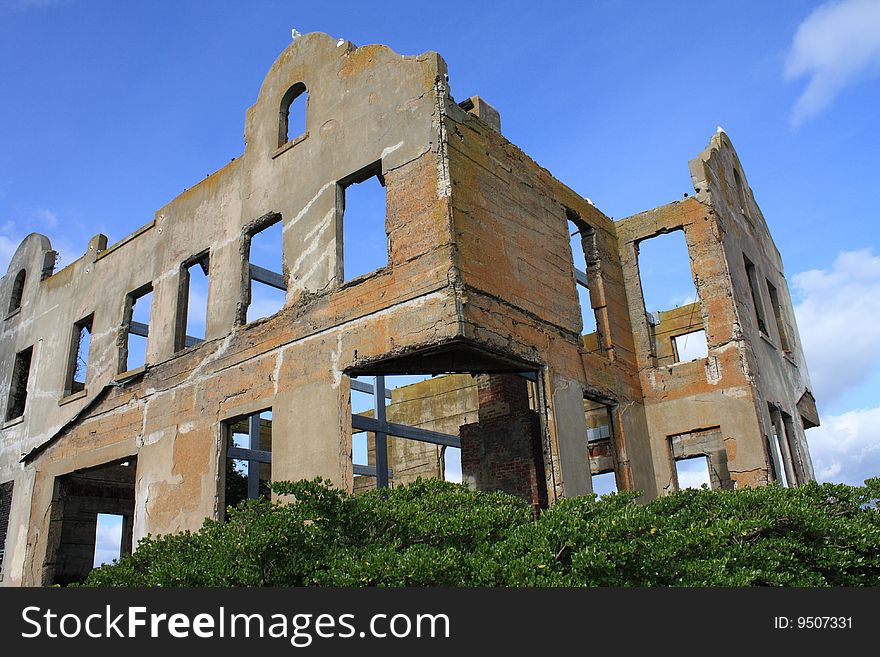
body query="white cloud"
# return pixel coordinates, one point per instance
(837, 320)
(846, 448)
(835, 46)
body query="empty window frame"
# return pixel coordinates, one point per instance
(91, 520)
(690, 346)
(416, 451)
(665, 271)
(692, 472)
(18, 388)
(582, 240)
(292, 113)
(17, 291)
(700, 456)
(5, 510)
(136, 325)
(780, 318)
(757, 299)
(361, 237)
(248, 469)
(192, 302)
(780, 449)
(600, 446)
(78, 358)
(267, 288)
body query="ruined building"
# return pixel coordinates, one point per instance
(479, 287)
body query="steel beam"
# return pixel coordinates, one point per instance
(368, 470)
(254, 466)
(381, 435)
(360, 386)
(403, 431)
(268, 277)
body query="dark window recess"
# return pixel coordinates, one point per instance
(5, 509)
(79, 356)
(757, 299)
(248, 457)
(136, 324)
(292, 114)
(267, 288)
(780, 318)
(21, 372)
(192, 302)
(361, 239)
(17, 291)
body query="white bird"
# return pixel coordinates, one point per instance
(294, 34)
(590, 202)
(719, 130)
(340, 42)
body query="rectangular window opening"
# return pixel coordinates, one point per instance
(21, 372)
(582, 240)
(79, 356)
(91, 520)
(692, 472)
(600, 446)
(361, 239)
(5, 510)
(267, 288)
(409, 454)
(780, 318)
(248, 458)
(138, 306)
(665, 272)
(192, 309)
(757, 299)
(690, 346)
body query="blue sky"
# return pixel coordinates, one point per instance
(110, 109)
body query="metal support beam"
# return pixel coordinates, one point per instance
(244, 454)
(368, 470)
(267, 277)
(381, 436)
(360, 386)
(403, 431)
(581, 277)
(139, 328)
(254, 466)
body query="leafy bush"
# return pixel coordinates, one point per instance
(432, 533)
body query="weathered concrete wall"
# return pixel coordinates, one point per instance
(479, 281)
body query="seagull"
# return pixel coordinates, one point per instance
(294, 34)
(590, 202)
(719, 130)
(340, 42)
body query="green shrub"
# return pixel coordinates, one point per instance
(432, 533)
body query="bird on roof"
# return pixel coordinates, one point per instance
(340, 42)
(294, 34)
(719, 130)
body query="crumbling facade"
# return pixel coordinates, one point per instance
(480, 288)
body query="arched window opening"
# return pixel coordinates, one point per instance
(17, 291)
(292, 117)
